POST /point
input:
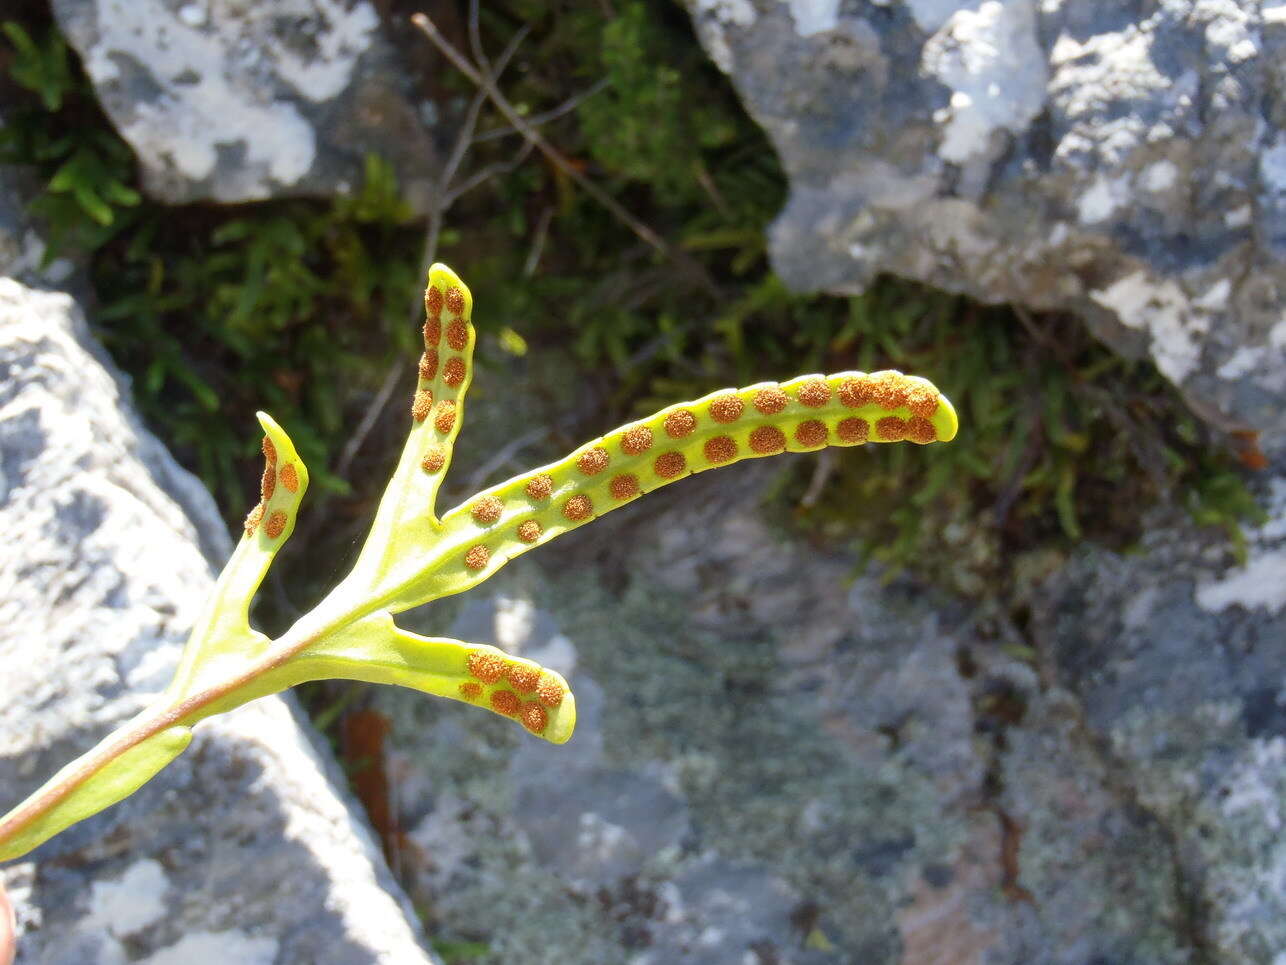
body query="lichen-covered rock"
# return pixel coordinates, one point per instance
(1126, 162)
(239, 851)
(1177, 657)
(777, 762)
(243, 101)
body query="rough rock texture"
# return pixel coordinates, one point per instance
(1122, 160)
(231, 102)
(240, 851)
(1177, 660)
(777, 763)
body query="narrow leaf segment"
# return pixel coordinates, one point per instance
(411, 556)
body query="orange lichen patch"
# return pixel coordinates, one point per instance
(524, 678)
(455, 301)
(767, 439)
(680, 423)
(487, 667)
(624, 486)
(578, 508)
(434, 460)
(429, 365)
(470, 690)
(636, 441)
(276, 524)
(811, 433)
(726, 408)
(432, 332)
(921, 399)
(505, 702)
(720, 449)
(269, 450)
(453, 371)
(458, 335)
(550, 692)
(891, 428)
(669, 464)
(445, 419)
(252, 519)
(539, 487)
(487, 509)
(921, 430)
(853, 430)
(770, 401)
(477, 557)
(890, 390)
(432, 301)
(529, 531)
(268, 484)
(593, 461)
(421, 405)
(533, 717)
(290, 477)
(814, 393)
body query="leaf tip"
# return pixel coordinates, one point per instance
(446, 290)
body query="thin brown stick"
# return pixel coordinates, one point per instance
(555, 157)
(544, 117)
(486, 174)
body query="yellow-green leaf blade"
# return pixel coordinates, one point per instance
(115, 781)
(224, 626)
(804, 414)
(376, 650)
(436, 412)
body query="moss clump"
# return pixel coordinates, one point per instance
(209, 307)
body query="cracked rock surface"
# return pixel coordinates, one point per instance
(235, 102)
(778, 762)
(241, 850)
(1124, 161)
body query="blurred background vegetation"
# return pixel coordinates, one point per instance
(309, 308)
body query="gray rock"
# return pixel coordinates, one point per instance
(246, 101)
(1178, 660)
(241, 850)
(778, 763)
(1125, 162)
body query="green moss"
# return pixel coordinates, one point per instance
(210, 308)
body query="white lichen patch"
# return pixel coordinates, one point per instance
(132, 902)
(1245, 360)
(217, 948)
(814, 16)
(1261, 582)
(713, 18)
(1230, 29)
(993, 63)
(1102, 199)
(1159, 176)
(1164, 309)
(1272, 166)
(1114, 66)
(190, 86)
(327, 68)
(1239, 217)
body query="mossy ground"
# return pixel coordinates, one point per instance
(301, 307)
